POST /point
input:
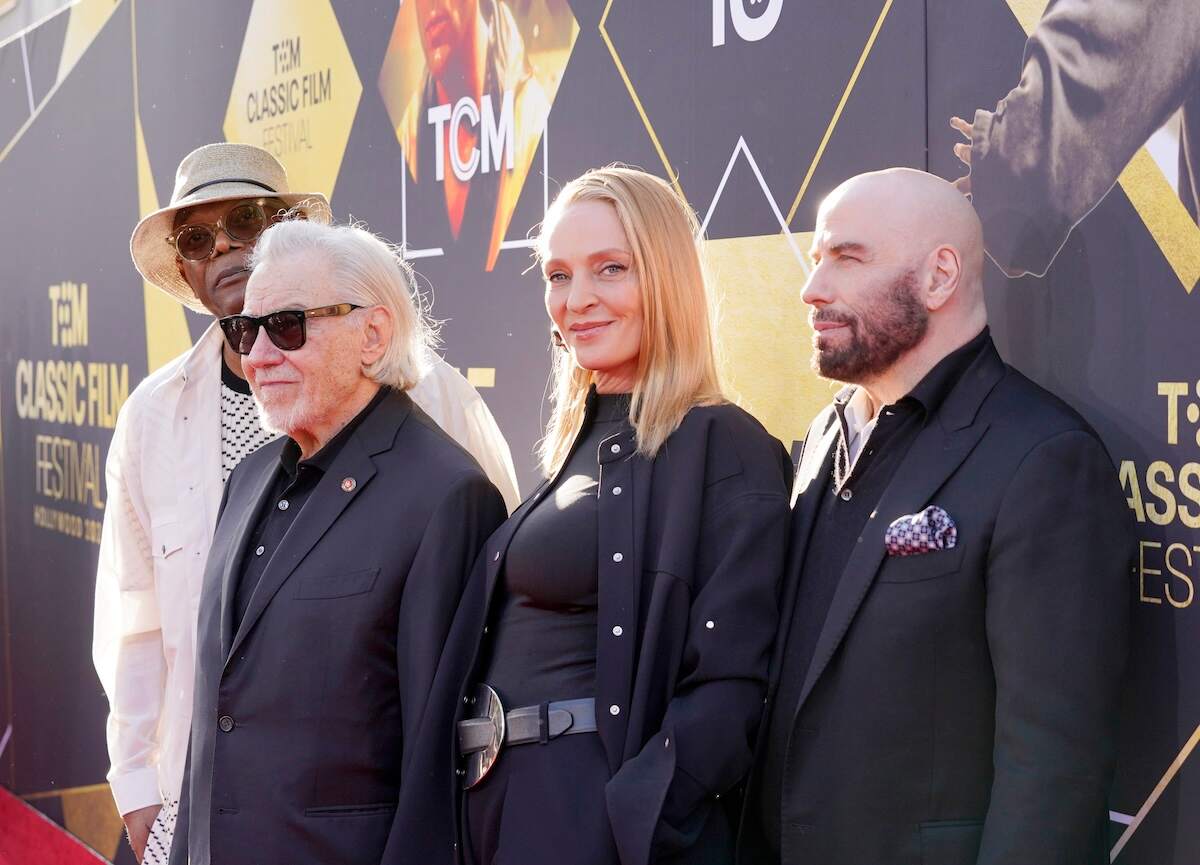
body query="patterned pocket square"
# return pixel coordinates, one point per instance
(913, 534)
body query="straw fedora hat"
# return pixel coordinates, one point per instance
(214, 172)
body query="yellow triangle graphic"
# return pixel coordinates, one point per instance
(91, 816)
(88, 18)
(167, 334)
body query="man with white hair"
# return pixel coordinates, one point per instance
(178, 437)
(337, 563)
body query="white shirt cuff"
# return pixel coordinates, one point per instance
(136, 789)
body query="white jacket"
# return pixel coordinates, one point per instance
(164, 489)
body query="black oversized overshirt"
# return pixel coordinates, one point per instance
(691, 551)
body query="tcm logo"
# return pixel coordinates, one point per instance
(495, 136)
(750, 29)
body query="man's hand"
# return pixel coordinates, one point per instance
(963, 152)
(137, 826)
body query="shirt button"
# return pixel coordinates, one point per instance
(617, 630)
(496, 557)
(710, 624)
(225, 723)
(617, 557)
(614, 709)
(260, 551)
(847, 495)
(615, 449)
(616, 491)
(283, 505)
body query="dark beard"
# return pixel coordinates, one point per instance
(897, 324)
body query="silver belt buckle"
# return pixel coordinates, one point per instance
(486, 710)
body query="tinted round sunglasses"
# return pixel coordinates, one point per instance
(285, 328)
(242, 223)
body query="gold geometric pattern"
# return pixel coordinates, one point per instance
(167, 334)
(296, 90)
(762, 325)
(89, 814)
(87, 19)
(837, 113)
(672, 176)
(1152, 799)
(763, 330)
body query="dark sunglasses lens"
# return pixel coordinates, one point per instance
(245, 222)
(240, 332)
(194, 242)
(286, 329)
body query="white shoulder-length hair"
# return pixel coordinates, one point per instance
(368, 271)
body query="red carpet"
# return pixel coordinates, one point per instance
(27, 837)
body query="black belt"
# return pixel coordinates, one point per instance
(481, 738)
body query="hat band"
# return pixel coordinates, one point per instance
(195, 189)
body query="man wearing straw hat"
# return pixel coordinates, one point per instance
(179, 436)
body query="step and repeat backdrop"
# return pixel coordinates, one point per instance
(1085, 171)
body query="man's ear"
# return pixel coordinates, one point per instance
(945, 272)
(378, 332)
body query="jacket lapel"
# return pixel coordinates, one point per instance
(937, 452)
(325, 504)
(237, 546)
(816, 464)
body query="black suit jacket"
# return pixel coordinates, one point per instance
(326, 677)
(961, 704)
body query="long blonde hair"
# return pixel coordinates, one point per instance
(677, 367)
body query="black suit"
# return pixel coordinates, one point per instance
(960, 704)
(302, 713)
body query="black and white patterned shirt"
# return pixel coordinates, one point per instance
(241, 431)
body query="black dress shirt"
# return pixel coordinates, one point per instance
(294, 481)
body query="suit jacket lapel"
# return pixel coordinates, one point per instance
(326, 503)
(816, 465)
(233, 561)
(937, 452)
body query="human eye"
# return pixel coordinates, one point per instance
(556, 276)
(613, 269)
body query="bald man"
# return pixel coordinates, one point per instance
(956, 605)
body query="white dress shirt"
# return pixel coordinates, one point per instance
(164, 489)
(861, 419)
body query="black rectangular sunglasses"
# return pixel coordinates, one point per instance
(285, 327)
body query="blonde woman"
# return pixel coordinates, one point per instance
(624, 614)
